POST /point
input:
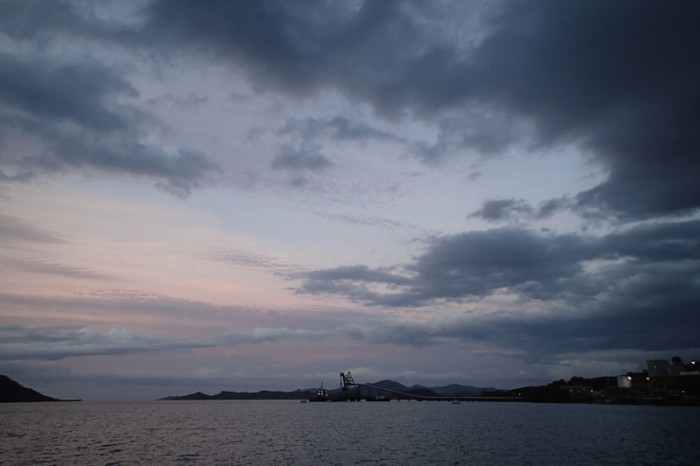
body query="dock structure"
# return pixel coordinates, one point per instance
(352, 391)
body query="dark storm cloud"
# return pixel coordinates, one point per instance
(294, 46)
(74, 91)
(457, 267)
(569, 267)
(47, 147)
(636, 289)
(339, 128)
(502, 209)
(552, 206)
(37, 20)
(618, 78)
(645, 316)
(672, 242)
(496, 210)
(177, 173)
(304, 158)
(59, 114)
(359, 283)
(471, 131)
(64, 116)
(479, 263)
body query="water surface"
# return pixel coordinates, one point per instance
(393, 433)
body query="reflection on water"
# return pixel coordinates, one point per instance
(285, 432)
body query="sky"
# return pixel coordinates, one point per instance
(258, 195)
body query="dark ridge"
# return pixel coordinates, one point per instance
(460, 390)
(391, 385)
(191, 396)
(299, 394)
(261, 395)
(674, 390)
(421, 392)
(13, 392)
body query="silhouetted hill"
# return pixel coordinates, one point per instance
(459, 390)
(191, 396)
(683, 390)
(11, 391)
(421, 392)
(448, 390)
(261, 395)
(391, 385)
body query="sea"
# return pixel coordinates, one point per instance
(354, 433)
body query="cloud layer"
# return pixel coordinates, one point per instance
(482, 262)
(626, 92)
(518, 178)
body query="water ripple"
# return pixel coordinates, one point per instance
(396, 433)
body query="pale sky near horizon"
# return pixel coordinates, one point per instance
(246, 195)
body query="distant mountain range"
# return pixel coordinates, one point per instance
(453, 390)
(681, 390)
(445, 390)
(261, 395)
(11, 391)
(665, 390)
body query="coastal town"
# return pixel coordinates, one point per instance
(667, 382)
